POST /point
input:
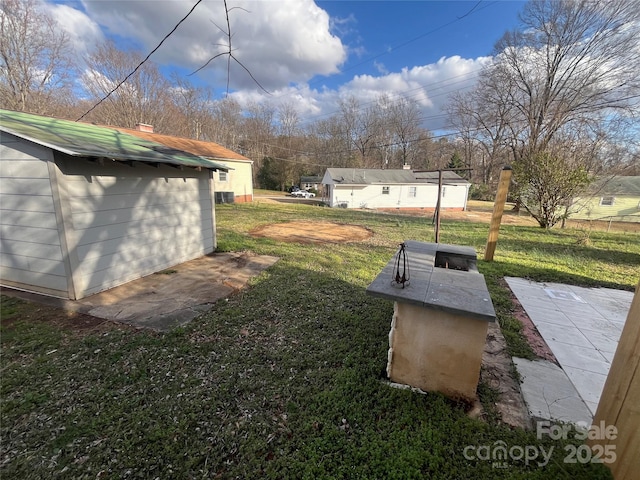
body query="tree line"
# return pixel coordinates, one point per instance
(559, 102)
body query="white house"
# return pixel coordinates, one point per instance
(235, 185)
(393, 189)
(86, 208)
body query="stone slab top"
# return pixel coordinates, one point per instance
(455, 291)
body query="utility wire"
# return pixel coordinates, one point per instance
(407, 42)
(141, 63)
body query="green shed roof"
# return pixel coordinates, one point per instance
(86, 140)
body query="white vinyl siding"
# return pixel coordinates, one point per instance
(30, 250)
(239, 179)
(130, 222)
(371, 196)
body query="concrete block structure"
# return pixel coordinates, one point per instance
(440, 321)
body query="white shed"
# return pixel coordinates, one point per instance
(394, 189)
(86, 208)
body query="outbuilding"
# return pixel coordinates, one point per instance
(85, 208)
(394, 189)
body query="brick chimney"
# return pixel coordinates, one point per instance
(143, 127)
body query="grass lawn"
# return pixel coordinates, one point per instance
(282, 380)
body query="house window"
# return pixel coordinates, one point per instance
(222, 176)
(606, 201)
(385, 190)
(412, 192)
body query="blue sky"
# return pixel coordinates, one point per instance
(401, 34)
(309, 54)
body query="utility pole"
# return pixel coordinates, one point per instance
(436, 216)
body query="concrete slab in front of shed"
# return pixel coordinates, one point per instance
(549, 394)
(177, 295)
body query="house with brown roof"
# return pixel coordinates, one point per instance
(232, 186)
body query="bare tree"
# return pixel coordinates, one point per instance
(288, 120)
(329, 143)
(483, 117)
(572, 60)
(193, 107)
(362, 127)
(558, 82)
(143, 98)
(226, 127)
(36, 69)
(404, 118)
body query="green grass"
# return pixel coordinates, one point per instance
(283, 380)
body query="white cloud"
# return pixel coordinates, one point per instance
(279, 42)
(84, 34)
(380, 67)
(429, 86)
(284, 43)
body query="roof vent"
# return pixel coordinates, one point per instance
(143, 127)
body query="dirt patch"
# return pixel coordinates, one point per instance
(497, 373)
(313, 232)
(509, 217)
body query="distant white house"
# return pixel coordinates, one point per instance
(393, 189)
(311, 182)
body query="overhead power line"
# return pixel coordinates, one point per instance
(141, 63)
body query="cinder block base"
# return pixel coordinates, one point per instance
(436, 350)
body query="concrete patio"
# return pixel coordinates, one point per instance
(582, 327)
(170, 298)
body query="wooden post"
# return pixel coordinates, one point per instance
(498, 208)
(619, 404)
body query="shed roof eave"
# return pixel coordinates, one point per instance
(39, 142)
(164, 159)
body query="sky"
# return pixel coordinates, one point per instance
(304, 53)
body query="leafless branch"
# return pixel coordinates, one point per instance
(229, 51)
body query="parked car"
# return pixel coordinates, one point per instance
(294, 188)
(302, 194)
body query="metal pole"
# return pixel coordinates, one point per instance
(438, 206)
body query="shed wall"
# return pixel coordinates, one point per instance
(128, 222)
(31, 254)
